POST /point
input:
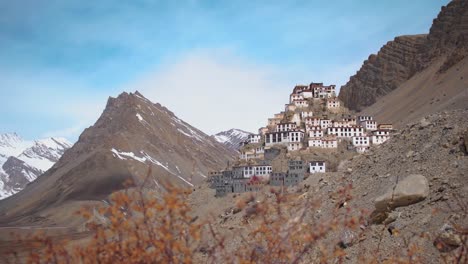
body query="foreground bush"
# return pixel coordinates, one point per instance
(140, 226)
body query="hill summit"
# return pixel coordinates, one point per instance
(131, 135)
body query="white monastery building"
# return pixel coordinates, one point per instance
(341, 124)
(301, 103)
(255, 170)
(346, 132)
(294, 97)
(254, 138)
(284, 127)
(324, 123)
(317, 167)
(362, 141)
(350, 121)
(333, 103)
(315, 142)
(307, 114)
(312, 121)
(315, 133)
(329, 143)
(320, 142)
(369, 125)
(364, 118)
(292, 139)
(380, 136)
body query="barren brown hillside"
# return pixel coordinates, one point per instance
(425, 93)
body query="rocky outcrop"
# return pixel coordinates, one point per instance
(402, 58)
(232, 138)
(19, 174)
(410, 190)
(382, 73)
(449, 31)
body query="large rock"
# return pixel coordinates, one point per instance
(448, 239)
(412, 189)
(464, 146)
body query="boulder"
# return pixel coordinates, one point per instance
(409, 154)
(464, 145)
(392, 217)
(410, 190)
(424, 123)
(347, 239)
(448, 239)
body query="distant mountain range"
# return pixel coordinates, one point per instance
(22, 161)
(232, 138)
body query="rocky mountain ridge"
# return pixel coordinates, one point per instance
(22, 161)
(382, 73)
(232, 138)
(400, 59)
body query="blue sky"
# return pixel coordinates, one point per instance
(60, 60)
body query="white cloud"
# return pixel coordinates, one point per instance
(216, 90)
(70, 133)
(80, 114)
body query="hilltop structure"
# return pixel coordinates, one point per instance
(313, 120)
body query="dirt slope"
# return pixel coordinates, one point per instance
(425, 93)
(435, 147)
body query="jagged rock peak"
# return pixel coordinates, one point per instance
(402, 58)
(450, 29)
(382, 72)
(132, 135)
(232, 138)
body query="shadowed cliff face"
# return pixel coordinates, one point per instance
(402, 58)
(383, 72)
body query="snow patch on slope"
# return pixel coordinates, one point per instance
(125, 155)
(139, 117)
(191, 133)
(221, 138)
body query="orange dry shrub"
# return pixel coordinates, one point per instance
(142, 228)
(138, 226)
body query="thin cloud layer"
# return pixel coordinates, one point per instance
(217, 91)
(62, 59)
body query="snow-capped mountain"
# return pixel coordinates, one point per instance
(232, 138)
(134, 141)
(22, 161)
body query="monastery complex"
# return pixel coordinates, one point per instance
(314, 120)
